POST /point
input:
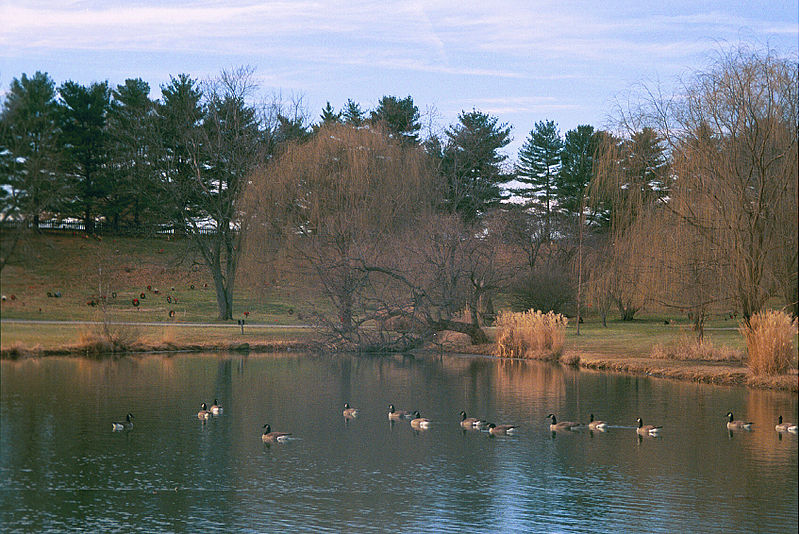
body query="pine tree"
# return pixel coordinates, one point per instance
(471, 164)
(329, 116)
(131, 141)
(539, 163)
(400, 116)
(29, 149)
(82, 114)
(577, 161)
(179, 116)
(352, 114)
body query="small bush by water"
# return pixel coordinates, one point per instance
(108, 337)
(530, 334)
(769, 342)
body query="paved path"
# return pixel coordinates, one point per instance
(165, 323)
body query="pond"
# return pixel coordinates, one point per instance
(62, 468)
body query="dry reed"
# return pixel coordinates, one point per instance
(107, 337)
(530, 334)
(769, 342)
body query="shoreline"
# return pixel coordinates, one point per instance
(697, 371)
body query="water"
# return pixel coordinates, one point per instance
(63, 469)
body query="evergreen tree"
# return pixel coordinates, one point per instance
(180, 113)
(29, 149)
(132, 146)
(400, 116)
(645, 164)
(82, 114)
(539, 162)
(289, 129)
(577, 160)
(329, 116)
(352, 114)
(471, 164)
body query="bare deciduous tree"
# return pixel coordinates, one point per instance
(726, 231)
(352, 212)
(214, 151)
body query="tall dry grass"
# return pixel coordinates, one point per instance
(769, 342)
(530, 334)
(107, 337)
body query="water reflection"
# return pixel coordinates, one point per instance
(62, 469)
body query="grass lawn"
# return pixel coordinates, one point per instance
(636, 338)
(83, 270)
(51, 336)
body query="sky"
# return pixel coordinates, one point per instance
(567, 61)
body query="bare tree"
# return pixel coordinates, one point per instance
(352, 212)
(332, 202)
(726, 232)
(213, 150)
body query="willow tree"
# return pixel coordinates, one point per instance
(329, 205)
(630, 176)
(350, 215)
(734, 138)
(725, 235)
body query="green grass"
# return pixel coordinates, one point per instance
(636, 338)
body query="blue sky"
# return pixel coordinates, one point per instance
(521, 61)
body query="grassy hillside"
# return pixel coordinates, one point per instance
(85, 269)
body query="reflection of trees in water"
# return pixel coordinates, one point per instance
(764, 407)
(521, 378)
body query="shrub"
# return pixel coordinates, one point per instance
(548, 288)
(530, 334)
(769, 342)
(107, 337)
(689, 348)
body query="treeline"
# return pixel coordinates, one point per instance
(113, 155)
(689, 202)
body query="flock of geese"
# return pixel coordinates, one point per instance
(469, 423)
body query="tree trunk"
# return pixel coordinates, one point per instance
(699, 322)
(224, 305)
(346, 310)
(476, 335)
(88, 222)
(626, 311)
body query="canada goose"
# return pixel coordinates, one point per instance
(216, 409)
(398, 414)
(471, 422)
(127, 424)
(419, 422)
(737, 425)
(596, 425)
(785, 427)
(563, 425)
(501, 430)
(348, 411)
(203, 413)
(645, 430)
(274, 437)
